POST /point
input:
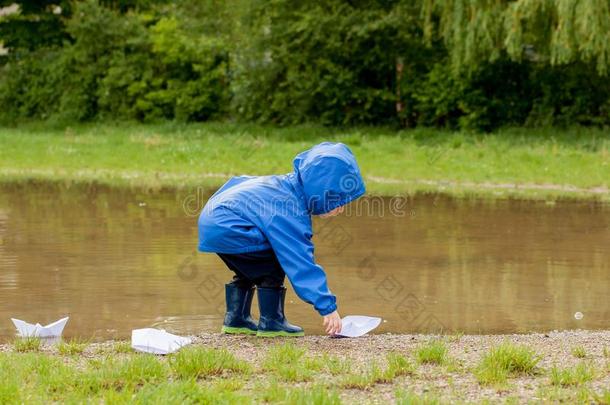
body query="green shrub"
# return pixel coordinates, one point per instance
(283, 62)
(330, 62)
(115, 65)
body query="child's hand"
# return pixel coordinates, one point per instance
(332, 323)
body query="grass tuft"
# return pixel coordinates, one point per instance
(432, 352)
(288, 362)
(27, 344)
(602, 397)
(335, 365)
(504, 361)
(367, 378)
(198, 362)
(579, 352)
(399, 365)
(72, 347)
(572, 376)
(287, 353)
(122, 347)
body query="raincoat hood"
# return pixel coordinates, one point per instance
(329, 177)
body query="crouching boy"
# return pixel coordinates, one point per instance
(261, 228)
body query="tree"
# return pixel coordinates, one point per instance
(37, 23)
(556, 32)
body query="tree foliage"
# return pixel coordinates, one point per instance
(327, 61)
(557, 32)
(457, 63)
(37, 23)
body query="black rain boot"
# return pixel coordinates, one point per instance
(272, 320)
(237, 319)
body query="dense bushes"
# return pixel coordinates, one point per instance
(130, 66)
(323, 61)
(280, 61)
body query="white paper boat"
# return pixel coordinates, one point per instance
(357, 325)
(29, 330)
(157, 341)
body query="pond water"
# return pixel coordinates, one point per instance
(115, 260)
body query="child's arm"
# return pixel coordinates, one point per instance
(291, 242)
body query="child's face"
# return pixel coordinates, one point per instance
(333, 213)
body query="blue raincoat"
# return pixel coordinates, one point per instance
(249, 214)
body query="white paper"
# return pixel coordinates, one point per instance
(29, 330)
(157, 341)
(358, 325)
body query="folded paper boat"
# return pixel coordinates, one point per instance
(30, 330)
(157, 341)
(358, 325)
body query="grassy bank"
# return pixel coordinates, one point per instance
(571, 367)
(518, 162)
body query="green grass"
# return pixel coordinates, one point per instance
(141, 379)
(578, 375)
(122, 347)
(397, 365)
(317, 394)
(432, 352)
(206, 375)
(336, 365)
(366, 378)
(504, 361)
(603, 397)
(393, 162)
(570, 395)
(404, 397)
(288, 362)
(72, 347)
(27, 344)
(579, 352)
(197, 362)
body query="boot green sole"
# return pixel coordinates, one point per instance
(279, 333)
(231, 330)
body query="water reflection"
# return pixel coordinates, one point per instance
(116, 260)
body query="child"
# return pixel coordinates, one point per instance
(261, 228)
